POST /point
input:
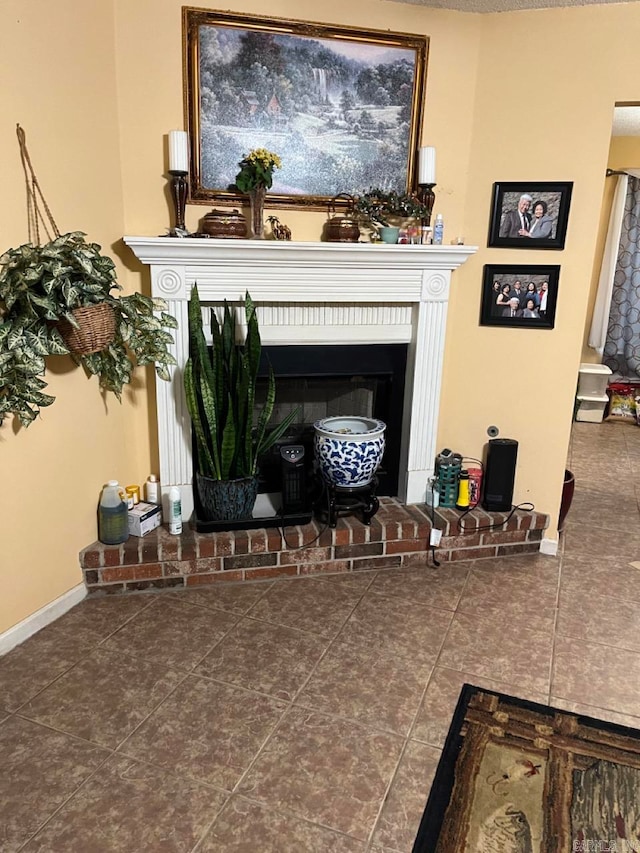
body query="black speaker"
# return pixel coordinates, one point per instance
(499, 474)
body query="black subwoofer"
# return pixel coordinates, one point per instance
(499, 474)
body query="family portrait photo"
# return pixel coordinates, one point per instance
(521, 296)
(341, 107)
(530, 215)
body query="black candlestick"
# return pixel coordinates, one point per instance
(426, 197)
(179, 186)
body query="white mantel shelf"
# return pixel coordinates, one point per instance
(309, 293)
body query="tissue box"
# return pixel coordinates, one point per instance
(143, 518)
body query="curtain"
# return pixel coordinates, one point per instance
(615, 326)
(622, 345)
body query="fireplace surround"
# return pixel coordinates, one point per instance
(323, 293)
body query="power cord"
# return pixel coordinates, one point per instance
(283, 535)
(527, 506)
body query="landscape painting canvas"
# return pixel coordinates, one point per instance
(340, 107)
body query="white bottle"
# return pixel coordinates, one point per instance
(152, 490)
(175, 511)
(438, 231)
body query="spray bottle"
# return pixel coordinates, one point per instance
(175, 511)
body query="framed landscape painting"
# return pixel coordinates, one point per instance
(341, 107)
(519, 296)
(529, 215)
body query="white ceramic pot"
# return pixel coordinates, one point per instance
(349, 449)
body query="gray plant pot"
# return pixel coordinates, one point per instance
(226, 500)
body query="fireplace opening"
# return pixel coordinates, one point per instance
(326, 380)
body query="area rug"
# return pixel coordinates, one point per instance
(517, 777)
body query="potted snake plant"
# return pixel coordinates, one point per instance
(230, 433)
(57, 299)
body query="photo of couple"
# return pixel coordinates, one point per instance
(519, 296)
(530, 216)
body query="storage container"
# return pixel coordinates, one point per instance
(593, 379)
(591, 408)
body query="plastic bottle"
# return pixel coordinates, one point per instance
(175, 511)
(152, 490)
(438, 230)
(113, 518)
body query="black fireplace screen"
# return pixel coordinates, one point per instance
(325, 381)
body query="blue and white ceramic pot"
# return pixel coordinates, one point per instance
(349, 449)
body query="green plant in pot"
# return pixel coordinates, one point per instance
(56, 299)
(220, 389)
(382, 208)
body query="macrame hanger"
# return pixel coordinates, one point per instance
(34, 196)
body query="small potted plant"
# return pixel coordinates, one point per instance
(57, 299)
(381, 209)
(220, 387)
(255, 178)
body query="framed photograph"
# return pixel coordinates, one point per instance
(519, 296)
(341, 107)
(529, 216)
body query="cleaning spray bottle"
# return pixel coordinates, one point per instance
(175, 511)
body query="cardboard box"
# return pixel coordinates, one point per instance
(144, 518)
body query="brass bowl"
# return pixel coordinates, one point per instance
(225, 224)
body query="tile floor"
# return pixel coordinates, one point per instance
(308, 714)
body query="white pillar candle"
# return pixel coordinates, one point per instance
(427, 166)
(178, 151)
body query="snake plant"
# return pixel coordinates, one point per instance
(220, 388)
(42, 285)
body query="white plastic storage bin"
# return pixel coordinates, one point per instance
(592, 380)
(591, 408)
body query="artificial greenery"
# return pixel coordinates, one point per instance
(220, 387)
(41, 286)
(379, 206)
(256, 170)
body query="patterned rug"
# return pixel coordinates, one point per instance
(517, 777)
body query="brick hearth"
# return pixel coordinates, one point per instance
(398, 537)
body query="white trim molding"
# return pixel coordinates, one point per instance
(549, 547)
(312, 293)
(41, 618)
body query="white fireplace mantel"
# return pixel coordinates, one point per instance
(312, 293)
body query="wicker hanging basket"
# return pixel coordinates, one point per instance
(97, 328)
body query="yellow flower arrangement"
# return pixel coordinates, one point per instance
(256, 170)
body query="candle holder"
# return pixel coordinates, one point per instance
(426, 197)
(179, 186)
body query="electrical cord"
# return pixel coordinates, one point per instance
(283, 535)
(527, 506)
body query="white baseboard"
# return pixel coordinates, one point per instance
(549, 547)
(41, 618)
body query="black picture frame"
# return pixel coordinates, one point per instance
(496, 302)
(263, 82)
(550, 229)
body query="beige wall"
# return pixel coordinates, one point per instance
(98, 88)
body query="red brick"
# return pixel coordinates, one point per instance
(383, 562)
(90, 577)
(249, 561)
(224, 544)
(417, 559)
(473, 553)
(187, 547)
(342, 533)
(257, 541)
(112, 555)
(149, 570)
(198, 580)
(504, 537)
(330, 567)
(391, 530)
(524, 548)
(371, 549)
(91, 558)
(273, 572)
(305, 555)
(359, 531)
(206, 546)
(119, 573)
(376, 531)
(149, 551)
(131, 551)
(402, 546)
(241, 545)
(465, 541)
(169, 549)
(541, 521)
(535, 535)
(274, 541)
(208, 564)
(171, 568)
(325, 537)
